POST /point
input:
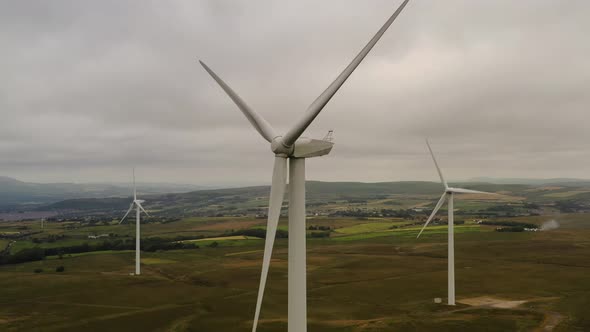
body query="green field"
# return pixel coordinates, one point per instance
(369, 275)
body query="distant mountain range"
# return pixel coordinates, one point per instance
(253, 200)
(14, 192)
(19, 195)
(535, 182)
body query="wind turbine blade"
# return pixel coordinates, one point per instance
(263, 127)
(436, 208)
(442, 179)
(469, 191)
(277, 193)
(315, 108)
(142, 209)
(126, 214)
(134, 186)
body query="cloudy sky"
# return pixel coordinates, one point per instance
(90, 88)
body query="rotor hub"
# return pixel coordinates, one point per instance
(303, 148)
(278, 147)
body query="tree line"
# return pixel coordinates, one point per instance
(38, 253)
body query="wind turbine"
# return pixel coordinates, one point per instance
(449, 193)
(138, 208)
(295, 149)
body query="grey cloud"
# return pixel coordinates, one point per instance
(90, 88)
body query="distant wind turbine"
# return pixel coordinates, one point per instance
(448, 193)
(137, 204)
(295, 149)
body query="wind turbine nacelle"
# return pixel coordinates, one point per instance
(309, 148)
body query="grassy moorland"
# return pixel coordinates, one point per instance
(370, 274)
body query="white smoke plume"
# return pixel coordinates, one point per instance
(549, 225)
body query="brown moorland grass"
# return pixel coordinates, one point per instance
(370, 284)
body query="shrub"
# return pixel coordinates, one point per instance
(319, 234)
(38, 270)
(60, 269)
(260, 233)
(26, 255)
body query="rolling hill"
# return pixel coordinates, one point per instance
(322, 197)
(253, 200)
(18, 193)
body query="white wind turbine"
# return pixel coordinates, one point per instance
(295, 149)
(448, 193)
(138, 208)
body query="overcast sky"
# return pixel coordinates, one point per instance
(90, 88)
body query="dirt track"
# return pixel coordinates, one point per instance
(491, 302)
(551, 320)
